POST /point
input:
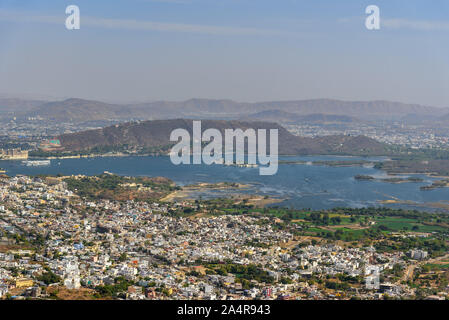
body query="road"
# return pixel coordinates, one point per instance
(408, 273)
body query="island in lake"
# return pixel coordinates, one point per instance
(390, 180)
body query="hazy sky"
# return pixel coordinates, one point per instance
(246, 50)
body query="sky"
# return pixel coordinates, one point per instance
(245, 50)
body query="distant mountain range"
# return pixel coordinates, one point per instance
(78, 110)
(12, 106)
(288, 117)
(157, 133)
(318, 110)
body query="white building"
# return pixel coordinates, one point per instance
(72, 275)
(418, 254)
(3, 290)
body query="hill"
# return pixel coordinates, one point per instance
(14, 106)
(361, 109)
(79, 110)
(365, 110)
(156, 133)
(288, 117)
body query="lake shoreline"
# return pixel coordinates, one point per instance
(298, 186)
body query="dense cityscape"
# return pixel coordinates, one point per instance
(56, 244)
(415, 136)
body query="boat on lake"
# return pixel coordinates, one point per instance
(36, 163)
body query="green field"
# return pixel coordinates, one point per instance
(399, 223)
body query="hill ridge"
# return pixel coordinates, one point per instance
(156, 133)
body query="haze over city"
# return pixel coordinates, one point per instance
(143, 50)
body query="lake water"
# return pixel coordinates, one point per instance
(303, 186)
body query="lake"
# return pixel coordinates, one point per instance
(302, 185)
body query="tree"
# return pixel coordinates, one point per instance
(49, 277)
(123, 257)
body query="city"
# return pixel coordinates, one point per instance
(56, 243)
(223, 159)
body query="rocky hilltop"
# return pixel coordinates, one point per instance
(156, 133)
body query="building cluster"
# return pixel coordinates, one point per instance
(93, 243)
(418, 254)
(13, 154)
(34, 129)
(412, 136)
